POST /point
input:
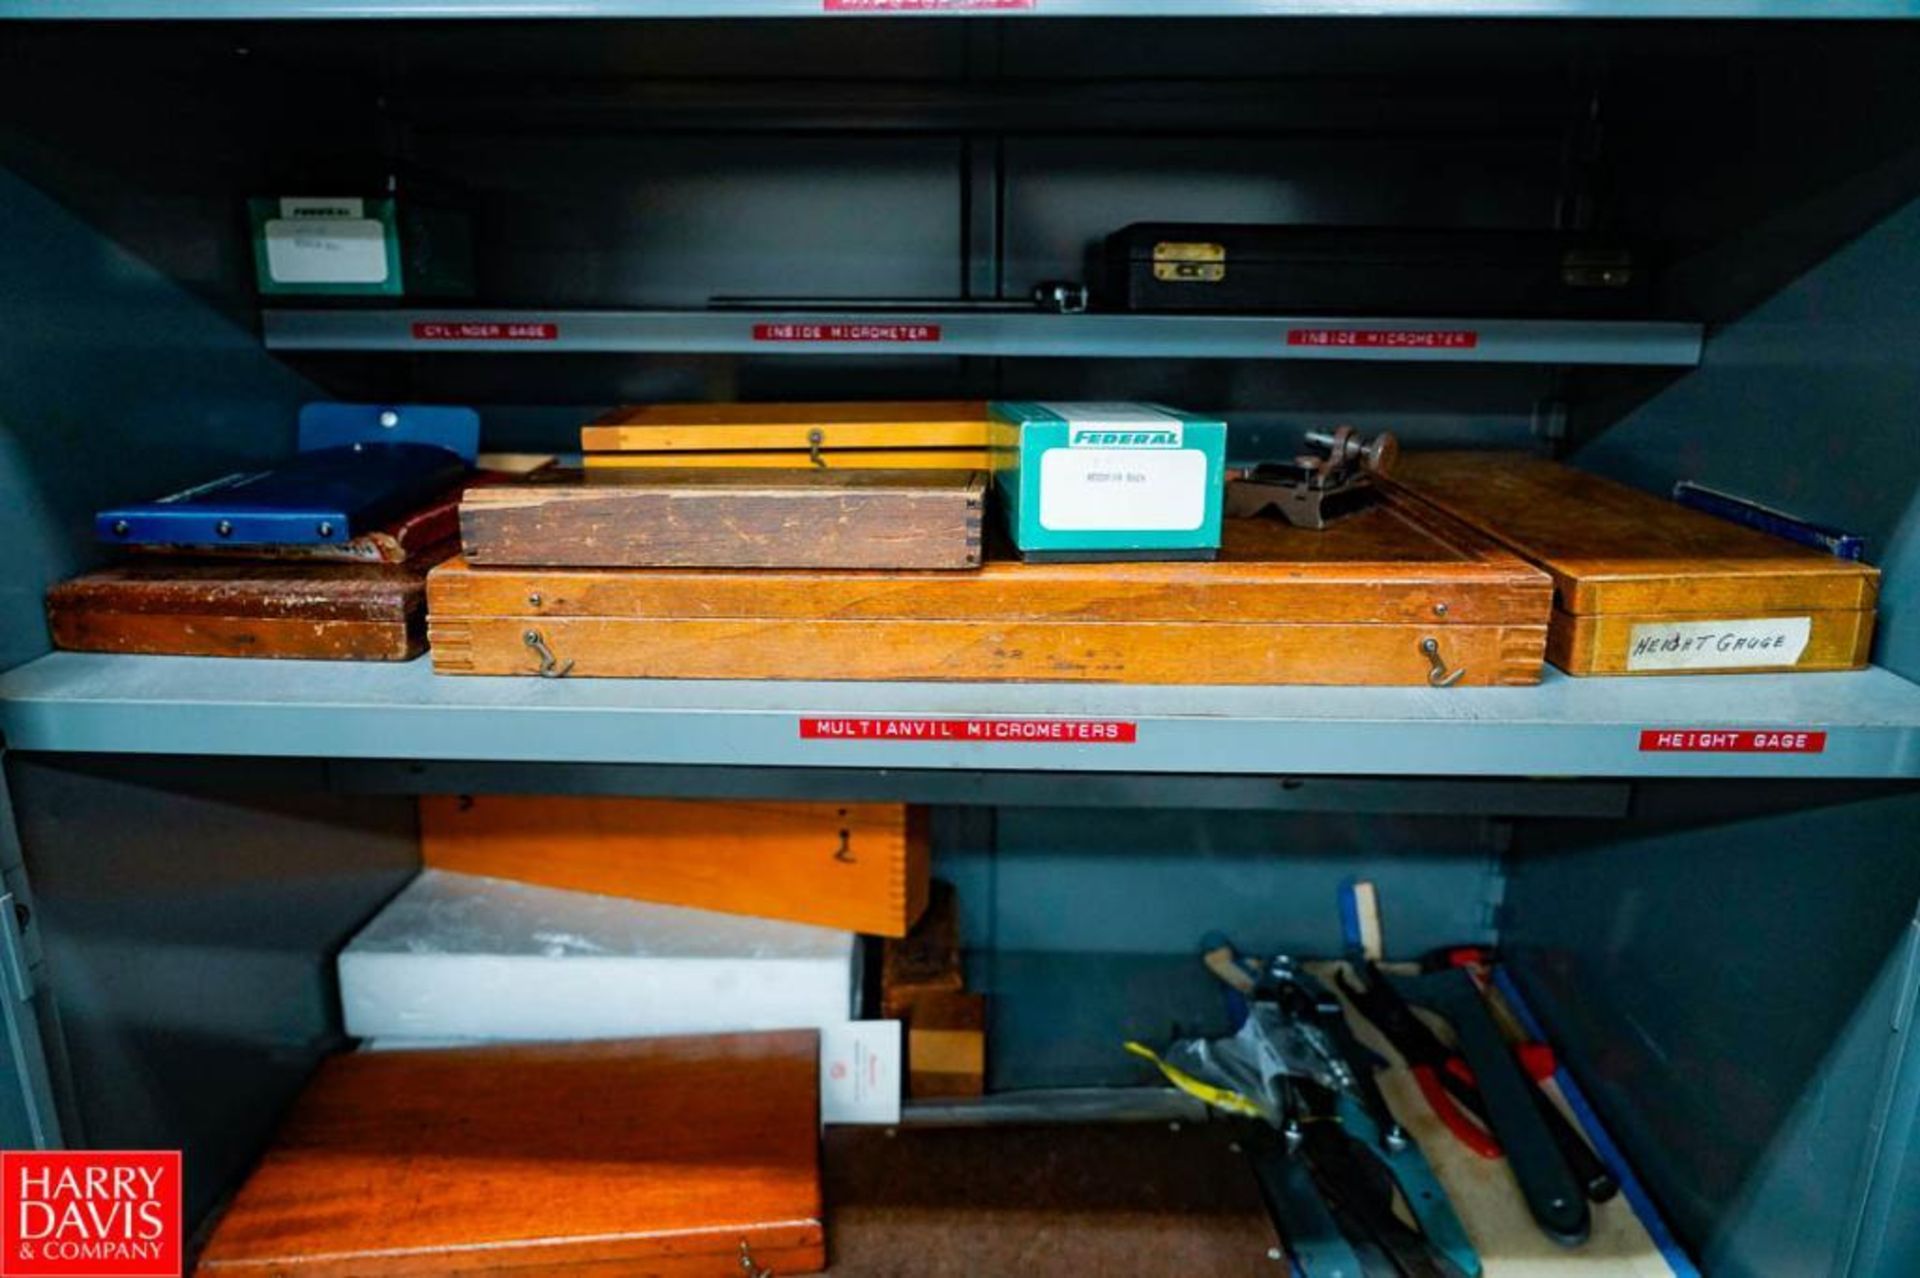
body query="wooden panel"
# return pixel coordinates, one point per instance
(1052, 1201)
(723, 427)
(341, 612)
(947, 1045)
(926, 960)
(157, 634)
(730, 518)
(1397, 563)
(857, 866)
(1599, 645)
(1109, 652)
(843, 459)
(1615, 549)
(658, 1156)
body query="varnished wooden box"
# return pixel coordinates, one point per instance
(675, 1157)
(861, 867)
(1646, 586)
(1355, 604)
(729, 518)
(912, 434)
(335, 612)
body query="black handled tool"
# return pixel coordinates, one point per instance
(1510, 1100)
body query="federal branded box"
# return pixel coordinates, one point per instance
(1109, 481)
(378, 246)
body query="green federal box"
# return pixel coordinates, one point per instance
(1109, 481)
(359, 246)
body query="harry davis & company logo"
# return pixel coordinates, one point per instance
(90, 1214)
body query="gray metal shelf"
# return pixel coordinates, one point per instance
(253, 9)
(998, 333)
(79, 702)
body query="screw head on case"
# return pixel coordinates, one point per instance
(325, 529)
(121, 528)
(224, 528)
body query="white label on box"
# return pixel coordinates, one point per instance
(1718, 645)
(1123, 489)
(1118, 426)
(860, 1072)
(317, 206)
(326, 251)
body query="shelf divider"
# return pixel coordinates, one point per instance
(1008, 334)
(97, 703)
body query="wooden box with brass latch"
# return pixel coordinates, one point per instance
(895, 435)
(1397, 594)
(859, 867)
(1646, 586)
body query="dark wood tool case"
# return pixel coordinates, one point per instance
(1251, 268)
(231, 608)
(732, 518)
(1399, 594)
(1646, 586)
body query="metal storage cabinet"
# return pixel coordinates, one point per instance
(1726, 944)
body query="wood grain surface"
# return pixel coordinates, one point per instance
(946, 1045)
(728, 427)
(339, 612)
(1615, 549)
(704, 518)
(1069, 1200)
(1282, 605)
(794, 459)
(656, 1157)
(927, 959)
(1600, 645)
(857, 866)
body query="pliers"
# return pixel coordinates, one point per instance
(1443, 1076)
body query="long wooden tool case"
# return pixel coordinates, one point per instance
(898, 435)
(334, 612)
(1645, 586)
(708, 518)
(1399, 594)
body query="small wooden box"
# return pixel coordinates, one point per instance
(861, 867)
(1645, 586)
(722, 518)
(1355, 604)
(675, 1157)
(332, 612)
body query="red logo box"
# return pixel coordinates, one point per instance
(90, 1214)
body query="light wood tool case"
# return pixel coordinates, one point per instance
(1398, 594)
(1646, 586)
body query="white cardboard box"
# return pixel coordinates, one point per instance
(457, 959)
(460, 956)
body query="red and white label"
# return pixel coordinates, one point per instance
(927, 6)
(1013, 731)
(90, 1214)
(846, 332)
(488, 331)
(1732, 741)
(1403, 339)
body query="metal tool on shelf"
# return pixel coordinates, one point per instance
(1331, 1159)
(1319, 488)
(1483, 1079)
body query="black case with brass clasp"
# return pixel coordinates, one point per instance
(1224, 267)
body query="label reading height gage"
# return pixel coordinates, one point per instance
(1761, 642)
